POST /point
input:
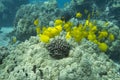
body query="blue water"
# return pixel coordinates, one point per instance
(60, 3)
(36, 1)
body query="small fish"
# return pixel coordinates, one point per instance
(14, 39)
(78, 15)
(38, 30)
(36, 22)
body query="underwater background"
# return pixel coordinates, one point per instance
(59, 39)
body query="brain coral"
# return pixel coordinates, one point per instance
(58, 48)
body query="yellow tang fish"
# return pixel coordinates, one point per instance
(36, 22)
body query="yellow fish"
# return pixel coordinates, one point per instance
(14, 39)
(36, 22)
(38, 30)
(78, 15)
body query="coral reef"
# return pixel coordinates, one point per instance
(78, 42)
(32, 61)
(3, 53)
(114, 51)
(23, 23)
(104, 9)
(25, 16)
